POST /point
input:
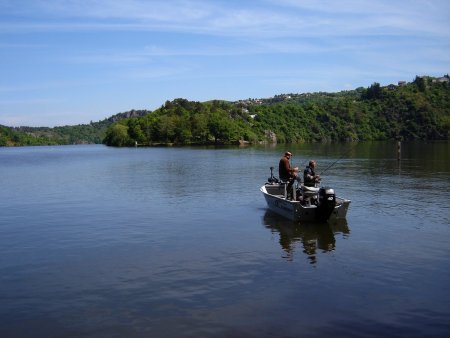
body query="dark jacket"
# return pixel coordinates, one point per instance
(284, 169)
(309, 177)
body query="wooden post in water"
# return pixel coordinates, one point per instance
(399, 150)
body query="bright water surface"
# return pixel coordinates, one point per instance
(177, 242)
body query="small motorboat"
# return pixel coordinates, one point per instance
(303, 203)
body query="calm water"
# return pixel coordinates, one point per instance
(169, 242)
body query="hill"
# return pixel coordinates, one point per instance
(419, 110)
(79, 134)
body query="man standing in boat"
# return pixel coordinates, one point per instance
(309, 176)
(285, 172)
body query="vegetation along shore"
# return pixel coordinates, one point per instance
(418, 110)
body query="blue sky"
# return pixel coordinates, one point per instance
(65, 62)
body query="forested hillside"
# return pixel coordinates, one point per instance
(419, 110)
(79, 134)
(13, 137)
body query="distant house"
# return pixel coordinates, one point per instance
(402, 83)
(443, 79)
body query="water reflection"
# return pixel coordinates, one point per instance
(312, 237)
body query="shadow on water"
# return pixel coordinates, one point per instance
(312, 237)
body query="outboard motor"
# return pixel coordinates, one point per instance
(272, 179)
(325, 204)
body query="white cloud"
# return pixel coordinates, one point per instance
(93, 54)
(285, 18)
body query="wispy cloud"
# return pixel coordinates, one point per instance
(112, 53)
(284, 18)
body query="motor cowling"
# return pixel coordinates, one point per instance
(272, 179)
(326, 203)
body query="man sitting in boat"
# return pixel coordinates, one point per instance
(285, 172)
(309, 176)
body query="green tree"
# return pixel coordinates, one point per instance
(117, 136)
(135, 132)
(199, 127)
(374, 91)
(221, 128)
(420, 82)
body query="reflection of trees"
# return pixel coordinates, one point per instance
(312, 236)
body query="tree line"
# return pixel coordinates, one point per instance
(92, 133)
(419, 110)
(185, 122)
(415, 111)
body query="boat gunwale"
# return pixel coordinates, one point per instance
(339, 211)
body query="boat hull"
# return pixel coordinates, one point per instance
(295, 210)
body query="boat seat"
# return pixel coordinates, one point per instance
(288, 194)
(309, 191)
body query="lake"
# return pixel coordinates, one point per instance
(178, 242)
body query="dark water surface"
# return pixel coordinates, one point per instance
(170, 242)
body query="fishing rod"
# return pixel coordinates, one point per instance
(332, 164)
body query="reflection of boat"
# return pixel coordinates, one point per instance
(313, 236)
(303, 203)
